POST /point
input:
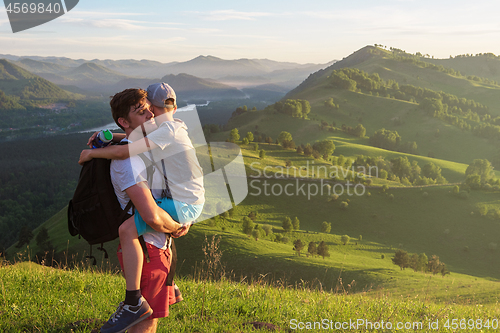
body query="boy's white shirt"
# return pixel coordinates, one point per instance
(184, 173)
(123, 176)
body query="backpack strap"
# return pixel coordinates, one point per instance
(171, 272)
(165, 193)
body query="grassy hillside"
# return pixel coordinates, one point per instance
(80, 301)
(433, 136)
(16, 81)
(429, 220)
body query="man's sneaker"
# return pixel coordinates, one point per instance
(127, 316)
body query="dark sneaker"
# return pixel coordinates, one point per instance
(127, 316)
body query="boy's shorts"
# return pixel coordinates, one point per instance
(180, 212)
(154, 281)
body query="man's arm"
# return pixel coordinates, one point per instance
(117, 152)
(153, 215)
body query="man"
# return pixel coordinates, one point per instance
(130, 110)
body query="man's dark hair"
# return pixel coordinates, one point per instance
(121, 102)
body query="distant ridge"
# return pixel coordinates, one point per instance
(15, 80)
(189, 86)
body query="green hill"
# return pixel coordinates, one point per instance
(92, 71)
(16, 81)
(35, 66)
(443, 136)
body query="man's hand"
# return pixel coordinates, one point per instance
(182, 231)
(85, 156)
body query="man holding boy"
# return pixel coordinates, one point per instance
(131, 110)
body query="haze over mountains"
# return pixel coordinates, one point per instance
(108, 76)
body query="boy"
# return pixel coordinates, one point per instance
(171, 145)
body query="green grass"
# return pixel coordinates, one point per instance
(439, 223)
(41, 299)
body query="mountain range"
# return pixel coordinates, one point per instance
(98, 76)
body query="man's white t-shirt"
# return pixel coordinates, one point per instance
(122, 177)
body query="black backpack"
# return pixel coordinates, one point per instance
(95, 213)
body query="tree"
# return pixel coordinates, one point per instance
(267, 229)
(422, 262)
(296, 223)
(308, 150)
(306, 108)
(359, 131)
(234, 135)
(25, 236)
(480, 167)
(401, 259)
(256, 234)
(430, 170)
(245, 141)
(326, 227)
(285, 136)
(248, 225)
(311, 248)
(262, 154)
(325, 147)
(329, 103)
(249, 136)
(298, 246)
(287, 224)
(322, 249)
(345, 239)
(435, 265)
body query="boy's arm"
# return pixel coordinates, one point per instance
(117, 152)
(153, 215)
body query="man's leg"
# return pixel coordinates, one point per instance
(132, 254)
(135, 308)
(146, 326)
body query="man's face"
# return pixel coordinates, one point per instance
(141, 114)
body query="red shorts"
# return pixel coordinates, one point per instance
(153, 281)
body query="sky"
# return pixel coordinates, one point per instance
(314, 31)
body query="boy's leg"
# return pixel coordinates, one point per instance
(133, 256)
